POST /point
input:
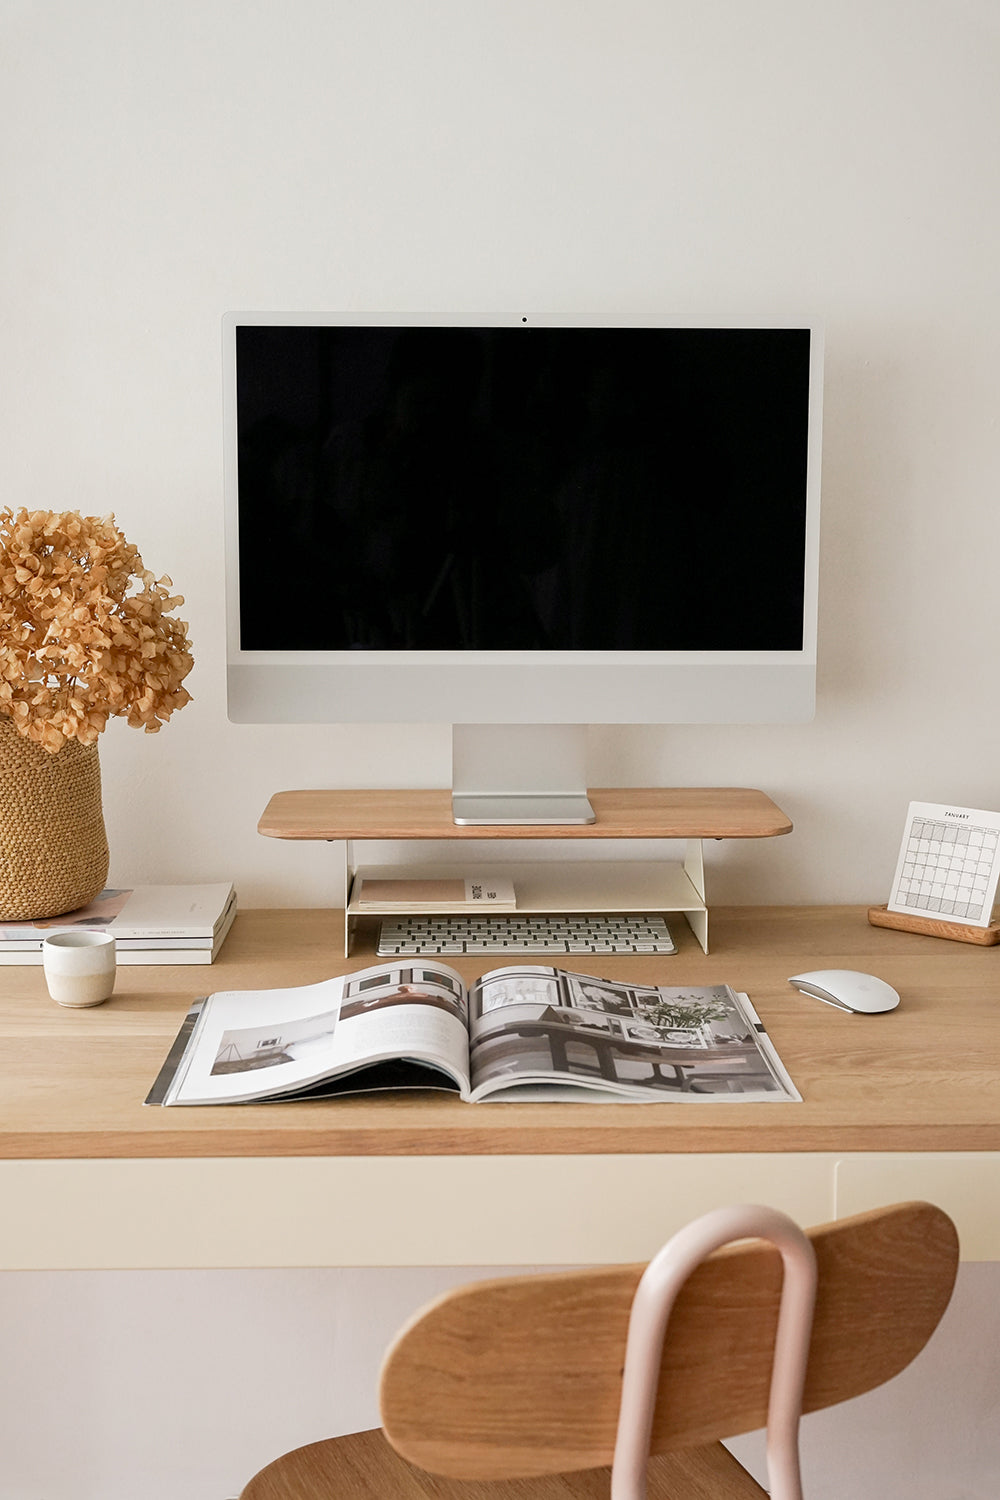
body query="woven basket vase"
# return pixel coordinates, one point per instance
(53, 847)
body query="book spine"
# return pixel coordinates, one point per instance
(173, 1059)
(152, 934)
(125, 956)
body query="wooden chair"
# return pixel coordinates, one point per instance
(511, 1389)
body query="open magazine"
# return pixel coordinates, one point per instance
(523, 1032)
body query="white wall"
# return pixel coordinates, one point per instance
(178, 1385)
(164, 163)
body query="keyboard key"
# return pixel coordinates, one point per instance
(548, 936)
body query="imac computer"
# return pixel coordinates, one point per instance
(520, 527)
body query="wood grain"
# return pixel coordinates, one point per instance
(523, 1375)
(500, 1381)
(925, 1077)
(984, 937)
(362, 1466)
(621, 813)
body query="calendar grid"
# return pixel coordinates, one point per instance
(948, 864)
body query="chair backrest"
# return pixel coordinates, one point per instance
(522, 1376)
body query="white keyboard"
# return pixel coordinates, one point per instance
(499, 933)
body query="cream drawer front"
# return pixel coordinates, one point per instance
(349, 1211)
(966, 1184)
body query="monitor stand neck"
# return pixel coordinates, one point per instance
(517, 774)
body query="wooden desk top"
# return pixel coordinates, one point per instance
(925, 1077)
(621, 813)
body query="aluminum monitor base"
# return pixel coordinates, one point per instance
(513, 810)
(519, 774)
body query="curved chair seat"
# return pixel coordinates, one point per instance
(362, 1466)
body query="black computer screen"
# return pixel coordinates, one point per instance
(450, 488)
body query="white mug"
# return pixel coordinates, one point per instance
(79, 966)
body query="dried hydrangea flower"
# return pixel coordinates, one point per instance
(76, 646)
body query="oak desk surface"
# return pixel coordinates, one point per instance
(923, 1078)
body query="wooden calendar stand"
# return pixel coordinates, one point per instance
(983, 937)
(947, 863)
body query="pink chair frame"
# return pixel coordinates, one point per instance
(651, 1308)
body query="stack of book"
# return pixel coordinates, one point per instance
(151, 924)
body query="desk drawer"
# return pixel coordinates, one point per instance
(966, 1184)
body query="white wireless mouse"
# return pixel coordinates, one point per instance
(848, 990)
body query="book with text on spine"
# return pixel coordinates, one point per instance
(478, 893)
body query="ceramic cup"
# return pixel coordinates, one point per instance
(79, 967)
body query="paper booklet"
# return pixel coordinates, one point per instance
(419, 894)
(524, 1032)
(181, 924)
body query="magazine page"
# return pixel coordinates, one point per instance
(538, 1032)
(262, 1044)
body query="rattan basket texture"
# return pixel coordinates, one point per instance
(53, 847)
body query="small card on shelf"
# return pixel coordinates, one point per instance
(420, 894)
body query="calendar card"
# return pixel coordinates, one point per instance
(949, 862)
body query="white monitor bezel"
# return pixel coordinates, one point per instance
(517, 687)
